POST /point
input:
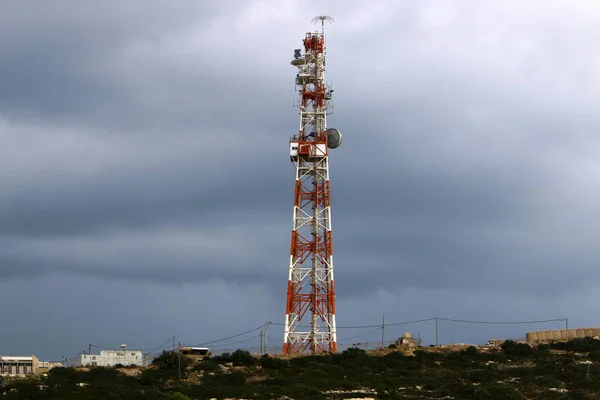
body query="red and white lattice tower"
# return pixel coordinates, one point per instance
(310, 310)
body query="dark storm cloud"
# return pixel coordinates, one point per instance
(59, 64)
(144, 154)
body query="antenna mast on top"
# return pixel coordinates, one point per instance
(323, 18)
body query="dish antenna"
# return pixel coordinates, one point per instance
(323, 18)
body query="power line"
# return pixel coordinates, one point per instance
(338, 327)
(368, 326)
(362, 334)
(160, 347)
(410, 322)
(241, 341)
(502, 322)
(440, 319)
(374, 327)
(229, 337)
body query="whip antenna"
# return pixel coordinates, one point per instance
(323, 18)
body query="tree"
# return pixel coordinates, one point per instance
(171, 361)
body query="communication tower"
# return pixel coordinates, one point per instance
(310, 309)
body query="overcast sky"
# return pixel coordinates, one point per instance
(146, 188)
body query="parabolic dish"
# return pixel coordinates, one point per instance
(334, 138)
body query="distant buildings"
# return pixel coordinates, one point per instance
(495, 342)
(408, 340)
(561, 335)
(45, 366)
(196, 352)
(111, 358)
(18, 365)
(25, 365)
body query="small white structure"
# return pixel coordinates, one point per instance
(111, 358)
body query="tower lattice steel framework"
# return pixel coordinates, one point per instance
(310, 311)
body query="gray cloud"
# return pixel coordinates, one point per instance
(144, 155)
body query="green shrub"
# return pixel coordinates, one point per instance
(595, 355)
(179, 396)
(223, 358)
(496, 391)
(272, 363)
(353, 353)
(243, 358)
(171, 360)
(542, 350)
(513, 349)
(577, 344)
(207, 365)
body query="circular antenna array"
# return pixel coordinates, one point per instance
(323, 18)
(334, 138)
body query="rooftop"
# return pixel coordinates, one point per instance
(16, 358)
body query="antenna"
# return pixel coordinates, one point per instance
(323, 18)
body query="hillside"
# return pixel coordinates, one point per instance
(516, 371)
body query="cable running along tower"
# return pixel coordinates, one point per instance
(310, 309)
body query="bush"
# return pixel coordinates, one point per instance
(272, 363)
(496, 391)
(207, 365)
(513, 349)
(353, 353)
(543, 348)
(179, 396)
(583, 345)
(171, 360)
(595, 355)
(223, 358)
(243, 358)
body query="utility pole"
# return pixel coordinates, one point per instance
(437, 341)
(90, 348)
(587, 376)
(261, 343)
(179, 361)
(382, 329)
(266, 336)
(567, 327)
(173, 342)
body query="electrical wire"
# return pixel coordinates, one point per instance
(241, 341)
(409, 322)
(357, 336)
(160, 347)
(502, 322)
(376, 327)
(229, 337)
(439, 319)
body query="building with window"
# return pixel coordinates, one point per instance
(18, 365)
(111, 358)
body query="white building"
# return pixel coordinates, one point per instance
(111, 358)
(18, 365)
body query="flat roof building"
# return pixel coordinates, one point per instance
(111, 358)
(18, 365)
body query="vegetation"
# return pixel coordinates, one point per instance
(514, 371)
